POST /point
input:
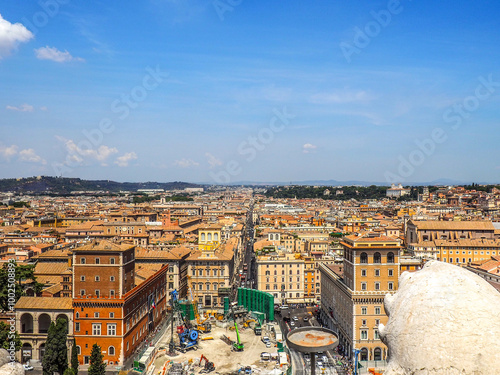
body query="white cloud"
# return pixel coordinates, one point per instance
(212, 160)
(8, 152)
(52, 53)
(11, 35)
(29, 155)
(123, 160)
(43, 108)
(23, 108)
(340, 97)
(186, 163)
(308, 148)
(79, 153)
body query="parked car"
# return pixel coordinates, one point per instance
(268, 344)
(295, 318)
(27, 367)
(292, 324)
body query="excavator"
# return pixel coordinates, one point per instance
(209, 366)
(237, 346)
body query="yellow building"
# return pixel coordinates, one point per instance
(209, 237)
(282, 275)
(352, 295)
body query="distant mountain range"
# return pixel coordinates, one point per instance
(64, 185)
(442, 181)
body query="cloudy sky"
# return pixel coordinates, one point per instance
(234, 90)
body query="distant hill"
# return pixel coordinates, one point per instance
(64, 185)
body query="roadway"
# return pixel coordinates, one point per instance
(290, 319)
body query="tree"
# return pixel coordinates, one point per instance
(6, 337)
(24, 277)
(55, 358)
(74, 358)
(97, 366)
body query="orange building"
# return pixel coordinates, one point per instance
(109, 308)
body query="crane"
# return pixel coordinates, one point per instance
(237, 346)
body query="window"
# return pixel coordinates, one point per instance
(97, 261)
(391, 273)
(97, 293)
(112, 261)
(77, 327)
(194, 272)
(267, 287)
(112, 293)
(375, 335)
(363, 286)
(111, 314)
(377, 310)
(377, 322)
(96, 329)
(82, 261)
(363, 272)
(78, 350)
(364, 334)
(390, 286)
(377, 258)
(111, 278)
(82, 278)
(364, 258)
(96, 315)
(111, 350)
(97, 278)
(377, 272)
(364, 310)
(82, 292)
(390, 257)
(363, 322)
(77, 315)
(377, 286)
(111, 329)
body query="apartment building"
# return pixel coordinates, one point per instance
(282, 274)
(352, 295)
(210, 267)
(430, 230)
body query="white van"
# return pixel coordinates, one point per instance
(264, 356)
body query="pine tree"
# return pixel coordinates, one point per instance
(55, 358)
(74, 358)
(97, 366)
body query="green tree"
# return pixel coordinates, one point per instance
(97, 366)
(24, 278)
(6, 337)
(74, 358)
(55, 358)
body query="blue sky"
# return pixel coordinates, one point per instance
(233, 90)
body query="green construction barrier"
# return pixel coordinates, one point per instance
(256, 300)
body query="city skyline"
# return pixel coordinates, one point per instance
(224, 91)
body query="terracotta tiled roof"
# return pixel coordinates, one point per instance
(44, 303)
(453, 225)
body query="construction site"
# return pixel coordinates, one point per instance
(235, 340)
